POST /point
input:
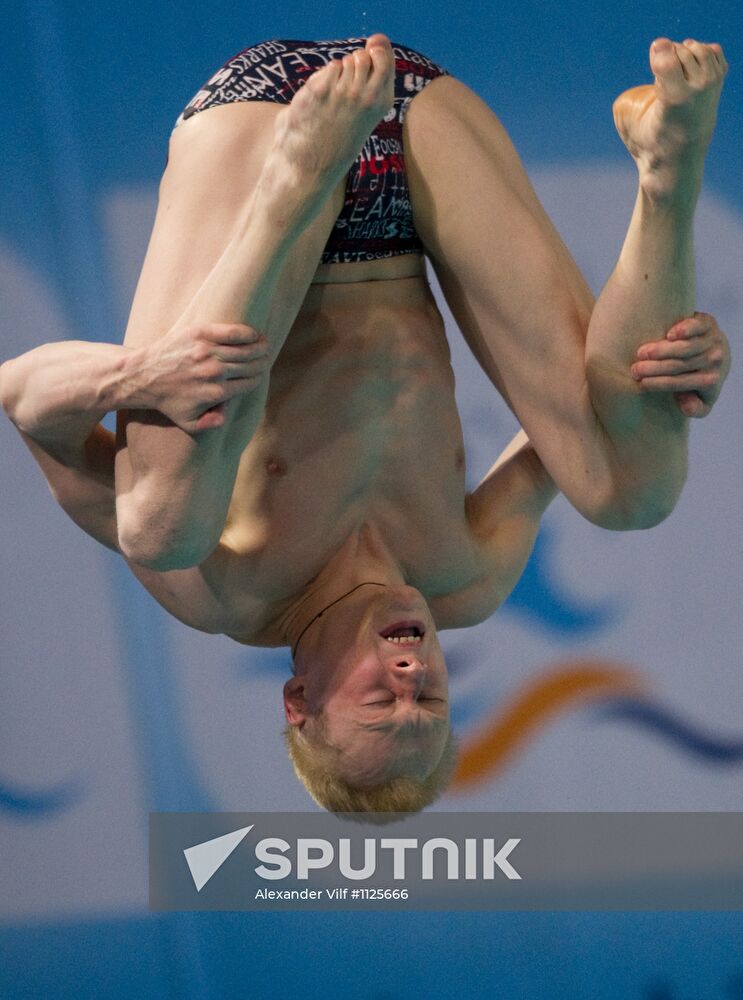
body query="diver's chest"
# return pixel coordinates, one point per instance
(288, 517)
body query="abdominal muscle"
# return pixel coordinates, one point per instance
(360, 428)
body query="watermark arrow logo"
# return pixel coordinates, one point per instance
(447, 861)
(207, 858)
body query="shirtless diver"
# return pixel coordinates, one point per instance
(324, 508)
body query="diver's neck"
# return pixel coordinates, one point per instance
(362, 559)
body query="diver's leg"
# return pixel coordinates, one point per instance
(235, 242)
(562, 364)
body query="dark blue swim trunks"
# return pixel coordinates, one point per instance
(376, 221)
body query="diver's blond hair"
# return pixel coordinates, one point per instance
(315, 764)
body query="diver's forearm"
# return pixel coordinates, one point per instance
(64, 389)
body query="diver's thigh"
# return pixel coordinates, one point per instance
(513, 287)
(214, 161)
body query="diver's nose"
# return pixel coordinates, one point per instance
(408, 662)
(407, 667)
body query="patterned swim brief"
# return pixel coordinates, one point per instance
(376, 221)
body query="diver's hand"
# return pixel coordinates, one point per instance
(692, 362)
(190, 374)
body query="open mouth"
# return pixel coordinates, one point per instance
(404, 633)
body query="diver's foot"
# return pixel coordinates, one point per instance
(667, 125)
(319, 135)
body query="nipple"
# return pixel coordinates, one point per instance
(275, 467)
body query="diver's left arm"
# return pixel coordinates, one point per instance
(686, 369)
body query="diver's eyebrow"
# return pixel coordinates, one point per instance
(409, 726)
(377, 727)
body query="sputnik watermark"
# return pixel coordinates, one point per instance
(512, 861)
(280, 859)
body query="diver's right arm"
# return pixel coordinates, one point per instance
(57, 394)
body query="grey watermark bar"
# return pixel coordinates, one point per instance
(446, 861)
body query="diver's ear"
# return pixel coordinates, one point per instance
(295, 704)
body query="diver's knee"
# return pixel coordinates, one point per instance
(162, 548)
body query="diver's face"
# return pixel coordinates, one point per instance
(383, 685)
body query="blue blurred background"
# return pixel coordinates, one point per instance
(109, 710)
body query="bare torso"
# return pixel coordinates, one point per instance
(360, 429)
(360, 435)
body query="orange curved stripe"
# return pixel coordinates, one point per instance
(538, 701)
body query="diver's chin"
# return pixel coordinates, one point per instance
(405, 598)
